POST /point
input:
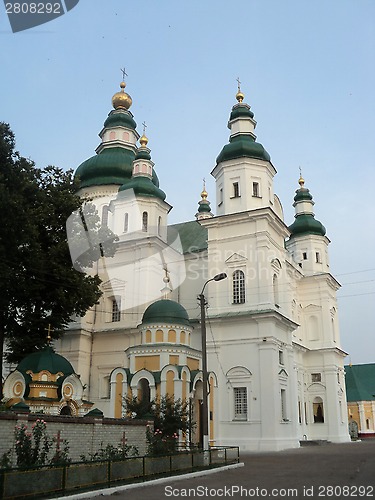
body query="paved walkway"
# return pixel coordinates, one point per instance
(330, 471)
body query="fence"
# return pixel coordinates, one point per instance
(41, 482)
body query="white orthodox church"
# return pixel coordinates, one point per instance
(275, 361)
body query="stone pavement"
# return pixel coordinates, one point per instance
(333, 471)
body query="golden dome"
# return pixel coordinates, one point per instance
(121, 100)
(143, 141)
(204, 194)
(301, 181)
(240, 96)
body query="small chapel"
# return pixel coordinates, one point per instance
(274, 358)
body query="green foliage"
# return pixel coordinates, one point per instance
(111, 452)
(39, 285)
(171, 417)
(138, 408)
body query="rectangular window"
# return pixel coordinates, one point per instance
(283, 404)
(116, 309)
(256, 189)
(281, 358)
(238, 287)
(236, 190)
(240, 403)
(316, 377)
(304, 255)
(317, 257)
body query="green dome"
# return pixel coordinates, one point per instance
(120, 118)
(143, 186)
(306, 224)
(243, 145)
(303, 194)
(166, 312)
(110, 166)
(241, 110)
(204, 207)
(46, 359)
(142, 154)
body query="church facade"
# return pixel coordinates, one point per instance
(274, 358)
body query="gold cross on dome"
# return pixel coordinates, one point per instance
(144, 128)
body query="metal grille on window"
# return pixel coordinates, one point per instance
(238, 287)
(116, 309)
(240, 403)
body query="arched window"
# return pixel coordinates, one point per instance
(105, 216)
(144, 221)
(318, 410)
(116, 309)
(143, 389)
(238, 287)
(126, 223)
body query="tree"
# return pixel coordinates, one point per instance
(39, 286)
(170, 417)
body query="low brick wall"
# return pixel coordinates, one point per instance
(84, 434)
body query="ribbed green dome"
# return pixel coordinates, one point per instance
(303, 194)
(166, 312)
(143, 186)
(46, 359)
(120, 118)
(204, 207)
(306, 224)
(142, 154)
(110, 166)
(241, 110)
(243, 145)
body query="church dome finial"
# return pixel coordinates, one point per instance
(301, 180)
(239, 96)
(204, 209)
(144, 140)
(122, 100)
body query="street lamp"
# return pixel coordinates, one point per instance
(202, 301)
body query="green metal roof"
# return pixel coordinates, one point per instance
(110, 166)
(143, 186)
(303, 194)
(306, 224)
(192, 235)
(120, 118)
(243, 145)
(46, 359)
(241, 110)
(166, 311)
(360, 382)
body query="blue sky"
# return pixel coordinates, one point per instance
(307, 70)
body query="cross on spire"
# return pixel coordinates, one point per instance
(238, 84)
(144, 128)
(49, 330)
(124, 73)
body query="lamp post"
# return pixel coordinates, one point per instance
(202, 301)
